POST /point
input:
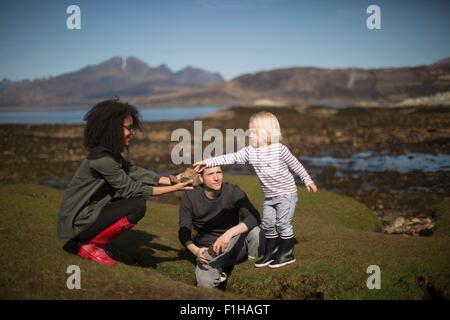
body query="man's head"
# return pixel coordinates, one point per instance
(212, 178)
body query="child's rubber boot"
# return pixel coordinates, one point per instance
(285, 254)
(270, 252)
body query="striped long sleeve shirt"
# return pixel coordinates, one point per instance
(271, 165)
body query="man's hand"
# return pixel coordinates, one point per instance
(311, 187)
(222, 243)
(200, 255)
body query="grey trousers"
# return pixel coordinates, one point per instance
(277, 215)
(249, 244)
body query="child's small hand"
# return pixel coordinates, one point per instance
(199, 166)
(311, 187)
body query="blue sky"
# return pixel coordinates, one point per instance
(232, 37)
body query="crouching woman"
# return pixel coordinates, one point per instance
(108, 194)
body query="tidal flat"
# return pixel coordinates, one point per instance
(394, 160)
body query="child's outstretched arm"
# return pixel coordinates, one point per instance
(298, 168)
(239, 157)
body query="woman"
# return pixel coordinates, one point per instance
(108, 194)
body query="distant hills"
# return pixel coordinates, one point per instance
(135, 81)
(318, 86)
(119, 76)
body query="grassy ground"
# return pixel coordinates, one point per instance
(338, 239)
(443, 218)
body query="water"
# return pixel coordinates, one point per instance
(336, 105)
(367, 162)
(352, 167)
(76, 116)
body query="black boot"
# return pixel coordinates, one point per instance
(270, 251)
(285, 253)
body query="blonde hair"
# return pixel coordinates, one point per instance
(266, 126)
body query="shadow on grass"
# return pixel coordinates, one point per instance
(136, 248)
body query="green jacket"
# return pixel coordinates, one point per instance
(99, 178)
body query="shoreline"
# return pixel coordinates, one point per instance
(34, 152)
(82, 107)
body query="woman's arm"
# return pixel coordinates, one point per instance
(167, 180)
(145, 176)
(127, 187)
(164, 180)
(182, 186)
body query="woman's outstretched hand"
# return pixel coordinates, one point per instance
(183, 186)
(199, 166)
(311, 187)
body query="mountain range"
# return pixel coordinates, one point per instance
(119, 76)
(307, 85)
(134, 81)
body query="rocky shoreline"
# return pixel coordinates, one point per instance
(52, 153)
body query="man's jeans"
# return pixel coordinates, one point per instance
(249, 244)
(277, 215)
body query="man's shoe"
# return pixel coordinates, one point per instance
(223, 276)
(285, 253)
(270, 251)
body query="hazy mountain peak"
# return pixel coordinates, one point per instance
(163, 68)
(197, 77)
(188, 68)
(443, 62)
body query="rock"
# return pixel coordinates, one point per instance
(426, 233)
(390, 230)
(399, 222)
(412, 227)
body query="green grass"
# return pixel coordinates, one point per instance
(338, 239)
(443, 218)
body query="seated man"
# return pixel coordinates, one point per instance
(214, 209)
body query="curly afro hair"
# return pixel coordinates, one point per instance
(104, 125)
